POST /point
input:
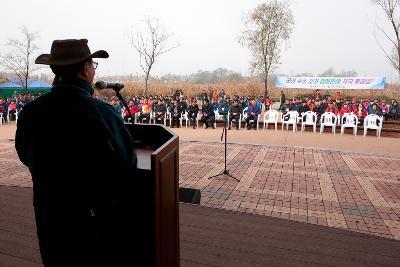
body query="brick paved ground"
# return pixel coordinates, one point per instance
(354, 191)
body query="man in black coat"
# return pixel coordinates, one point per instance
(193, 110)
(282, 101)
(159, 112)
(204, 96)
(208, 114)
(83, 164)
(235, 112)
(182, 104)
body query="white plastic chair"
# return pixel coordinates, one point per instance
(328, 119)
(309, 118)
(218, 117)
(169, 117)
(153, 117)
(198, 117)
(244, 113)
(240, 120)
(292, 119)
(144, 119)
(9, 116)
(340, 121)
(373, 122)
(136, 118)
(271, 116)
(349, 120)
(245, 117)
(184, 116)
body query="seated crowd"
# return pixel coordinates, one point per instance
(9, 106)
(206, 107)
(340, 106)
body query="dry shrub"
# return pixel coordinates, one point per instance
(251, 88)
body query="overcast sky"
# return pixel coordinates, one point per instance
(327, 33)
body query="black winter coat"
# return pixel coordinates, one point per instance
(83, 163)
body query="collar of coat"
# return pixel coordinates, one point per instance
(75, 83)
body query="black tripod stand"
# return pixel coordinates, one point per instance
(225, 172)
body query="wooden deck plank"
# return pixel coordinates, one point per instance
(286, 229)
(17, 227)
(269, 242)
(12, 261)
(20, 247)
(215, 237)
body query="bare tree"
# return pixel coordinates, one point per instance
(150, 46)
(392, 12)
(267, 27)
(20, 60)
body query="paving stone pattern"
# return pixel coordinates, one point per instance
(355, 191)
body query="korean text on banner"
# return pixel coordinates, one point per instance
(330, 82)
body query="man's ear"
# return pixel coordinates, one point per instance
(86, 70)
(84, 73)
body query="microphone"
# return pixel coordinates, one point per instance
(103, 85)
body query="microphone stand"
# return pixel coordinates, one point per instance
(225, 172)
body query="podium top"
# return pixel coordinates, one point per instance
(149, 140)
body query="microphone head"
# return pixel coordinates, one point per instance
(119, 86)
(100, 85)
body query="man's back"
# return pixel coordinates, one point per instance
(82, 162)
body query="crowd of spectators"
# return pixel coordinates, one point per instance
(212, 103)
(207, 104)
(9, 106)
(340, 105)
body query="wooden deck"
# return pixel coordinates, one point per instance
(214, 237)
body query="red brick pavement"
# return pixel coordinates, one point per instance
(354, 191)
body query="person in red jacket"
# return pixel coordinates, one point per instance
(360, 112)
(337, 96)
(311, 105)
(366, 103)
(385, 108)
(332, 109)
(12, 110)
(267, 103)
(344, 109)
(132, 108)
(317, 95)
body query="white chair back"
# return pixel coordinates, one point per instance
(271, 116)
(373, 121)
(291, 116)
(244, 115)
(328, 119)
(349, 120)
(309, 117)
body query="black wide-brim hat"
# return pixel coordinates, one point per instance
(68, 52)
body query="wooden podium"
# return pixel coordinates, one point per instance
(157, 151)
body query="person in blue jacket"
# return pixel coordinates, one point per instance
(252, 114)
